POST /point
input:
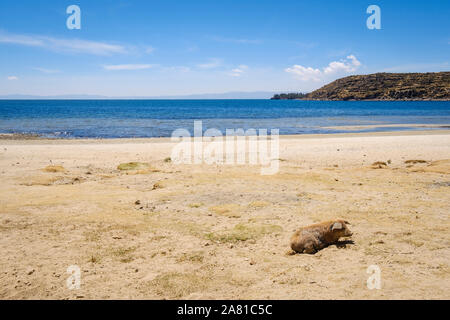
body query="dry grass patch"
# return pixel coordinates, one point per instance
(195, 257)
(196, 205)
(175, 285)
(379, 165)
(259, 204)
(136, 168)
(415, 161)
(92, 235)
(54, 169)
(242, 232)
(94, 259)
(124, 254)
(133, 166)
(230, 210)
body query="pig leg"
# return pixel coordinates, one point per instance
(309, 248)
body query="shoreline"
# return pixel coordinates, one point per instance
(381, 100)
(33, 139)
(143, 99)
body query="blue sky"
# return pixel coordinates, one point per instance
(166, 47)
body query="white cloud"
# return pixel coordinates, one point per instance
(22, 40)
(304, 73)
(120, 67)
(181, 69)
(351, 64)
(12, 78)
(84, 46)
(239, 71)
(64, 45)
(212, 63)
(348, 65)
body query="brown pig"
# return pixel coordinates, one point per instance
(313, 238)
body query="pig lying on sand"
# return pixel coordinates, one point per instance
(315, 237)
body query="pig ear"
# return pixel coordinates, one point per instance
(336, 225)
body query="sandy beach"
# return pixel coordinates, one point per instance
(171, 231)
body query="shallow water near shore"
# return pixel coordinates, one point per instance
(159, 118)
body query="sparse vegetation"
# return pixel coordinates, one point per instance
(94, 259)
(415, 161)
(175, 285)
(133, 166)
(123, 251)
(54, 169)
(259, 204)
(379, 165)
(230, 210)
(130, 241)
(196, 257)
(196, 205)
(387, 86)
(243, 232)
(124, 254)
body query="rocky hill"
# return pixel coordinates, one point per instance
(386, 86)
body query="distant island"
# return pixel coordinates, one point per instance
(381, 86)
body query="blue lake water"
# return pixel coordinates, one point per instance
(159, 118)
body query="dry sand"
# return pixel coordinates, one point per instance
(208, 231)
